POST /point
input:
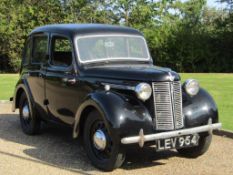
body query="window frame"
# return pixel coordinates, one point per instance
(65, 68)
(32, 43)
(149, 59)
(27, 43)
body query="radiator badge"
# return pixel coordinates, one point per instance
(171, 77)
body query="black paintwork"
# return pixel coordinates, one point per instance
(145, 72)
(56, 99)
(85, 29)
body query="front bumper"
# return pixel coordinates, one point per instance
(141, 138)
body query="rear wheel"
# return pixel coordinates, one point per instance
(199, 150)
(103, 151)
(29, 121)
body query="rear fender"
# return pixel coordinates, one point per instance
(20, 88)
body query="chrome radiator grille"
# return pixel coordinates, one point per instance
(167, 105)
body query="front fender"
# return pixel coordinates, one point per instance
(122, 115)
(199, 108)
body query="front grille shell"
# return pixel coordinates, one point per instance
(167, 99)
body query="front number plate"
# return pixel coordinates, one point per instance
(177, 142)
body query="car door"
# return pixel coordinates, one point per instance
(36, 70)
(61, 83)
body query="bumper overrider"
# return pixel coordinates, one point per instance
(141, 138)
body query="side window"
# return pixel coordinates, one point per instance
(40, 47)
(61, 54)
(27, 52)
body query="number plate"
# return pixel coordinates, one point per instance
(177, 142)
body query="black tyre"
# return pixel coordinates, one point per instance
(103, 151)
(29, 121)
(199, 150)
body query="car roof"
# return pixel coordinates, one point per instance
(84, 29)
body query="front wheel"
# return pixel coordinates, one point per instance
(193, 152)
(101, 147)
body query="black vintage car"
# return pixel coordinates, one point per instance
(101, 81)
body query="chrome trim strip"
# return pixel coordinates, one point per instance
(119, 86)
(141, 138)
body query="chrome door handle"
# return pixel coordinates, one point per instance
(72, 81)
(69, 80)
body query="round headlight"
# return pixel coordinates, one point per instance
(143, 91)
(191, 87)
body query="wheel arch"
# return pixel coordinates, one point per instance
(82, 119)
(19, 93)
(81, 116)
(20, 89)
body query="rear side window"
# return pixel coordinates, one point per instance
(61, 52)
(40, 49)
(27, 52)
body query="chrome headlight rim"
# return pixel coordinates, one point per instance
(191, 87)
(143, 91)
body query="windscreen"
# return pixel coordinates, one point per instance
(98, 48)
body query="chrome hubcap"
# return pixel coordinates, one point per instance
(99, 140)
(25, 111)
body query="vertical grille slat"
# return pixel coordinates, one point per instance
(177, 94)
(167, 105)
